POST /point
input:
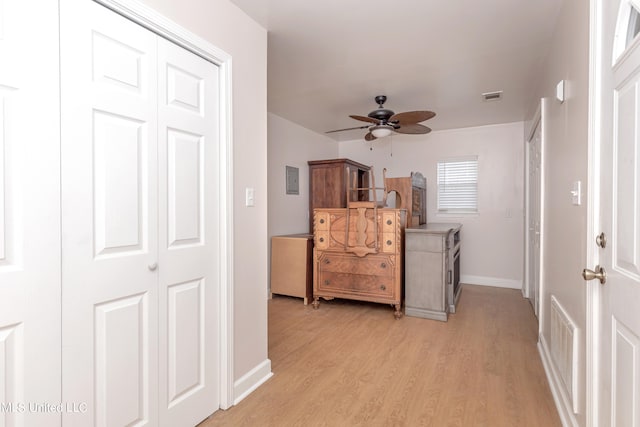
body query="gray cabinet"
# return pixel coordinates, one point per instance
(432, 270)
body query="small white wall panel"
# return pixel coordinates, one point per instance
(625, 376)
(184, 90)
(117, 63)
(11, 373)
(120, 183)
(186, 339)
(564, 349)
(122, 362)
(185, 187)
(627, 160)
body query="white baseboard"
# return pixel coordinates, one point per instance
(563, 403)
(496, 282)
(251, 381)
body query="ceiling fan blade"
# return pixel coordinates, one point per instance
(409, 117)
(369, 137)
(365, 119)
(340, 130)
(413, 129)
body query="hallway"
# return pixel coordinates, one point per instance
(350, 364)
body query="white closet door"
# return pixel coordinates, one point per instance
(189, 237)
(29, 214)
(140, 224)
(109, 217)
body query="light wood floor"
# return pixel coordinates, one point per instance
(353, 364)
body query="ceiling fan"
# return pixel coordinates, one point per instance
(384, 122)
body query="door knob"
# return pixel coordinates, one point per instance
(599, 274)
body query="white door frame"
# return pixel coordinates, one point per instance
(153, 21)
(538, 121)
(593, 214)
(593, 292)
(528, 134)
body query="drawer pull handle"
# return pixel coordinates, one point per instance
(326, 282)
(389, 242)
(321, 239)
(389, 222)
(326, 261)
(383, 265)
(322, 221)
(383, 287)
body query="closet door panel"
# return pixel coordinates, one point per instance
(185, 195)
(29, 213)
(120, 190)
(109, 217)
(121, 340)
(186, 329)
(189, 237)
(184, 90)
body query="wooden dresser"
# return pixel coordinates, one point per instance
(358, 254)
(329, 181)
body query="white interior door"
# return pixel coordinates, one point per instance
(140, 236)
(535, 180)
(29, 214)
(109, 217)
(189, 237)
(619, 192)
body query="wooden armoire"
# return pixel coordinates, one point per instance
(330, 180)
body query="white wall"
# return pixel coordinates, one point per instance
(565, 131)
(225, 26)
(292, 145)
(492, 240)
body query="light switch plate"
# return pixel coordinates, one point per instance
(249, 197)
(576, 193)
(560, 95)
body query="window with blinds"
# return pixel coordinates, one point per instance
(458, 185)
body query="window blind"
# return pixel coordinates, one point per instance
(458, 185)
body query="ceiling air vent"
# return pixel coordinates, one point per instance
(492, 96)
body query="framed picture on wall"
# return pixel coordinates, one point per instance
(293, 183)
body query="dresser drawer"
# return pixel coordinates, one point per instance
(355, 284)
(388, 243)
(375, 265)
(321, 220)
(389, 222)
(321, 239)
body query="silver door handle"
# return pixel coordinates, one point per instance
(152, 267)
(599, 274)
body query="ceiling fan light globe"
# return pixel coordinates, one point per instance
(381, 131)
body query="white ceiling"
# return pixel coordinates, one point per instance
(328, 59)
